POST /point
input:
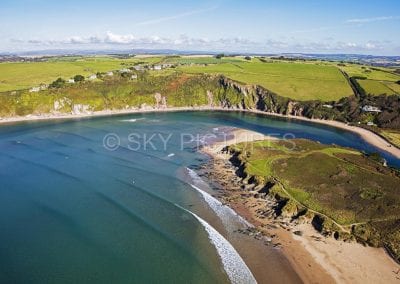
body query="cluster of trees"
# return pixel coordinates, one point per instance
(220, 55)
(60, 82)
(79, 78)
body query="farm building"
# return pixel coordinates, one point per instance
(138, 67)
(34, 89)
(368, 108)
(37, 89)
(125, 70)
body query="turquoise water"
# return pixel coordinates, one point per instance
(73, 211)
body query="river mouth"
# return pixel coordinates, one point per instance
(79, 207)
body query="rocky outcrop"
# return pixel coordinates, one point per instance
(157, 97)
(161, 101)
(241, 96)
(210, 98)
(81, 109)
(61, 104)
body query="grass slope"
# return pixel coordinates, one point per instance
(300, 81)
(391, 135)
(22, 75)
(375, 87)
(353, 193)
(297, 80)
(377, 81)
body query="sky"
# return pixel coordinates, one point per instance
(308, 26)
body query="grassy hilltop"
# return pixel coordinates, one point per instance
(23, 75)
(339, 190)
(301, 81)
(298, 80)
(375, 81)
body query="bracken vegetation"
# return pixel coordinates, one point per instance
(341, 191)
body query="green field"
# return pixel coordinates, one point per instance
(201, 60)
(392, 135)
(300, 81)
(378, 80)
(393, 86)
(375, 87)
(22, 75)
(379, 74)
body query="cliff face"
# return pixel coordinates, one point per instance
(240, 96)
(349, 109)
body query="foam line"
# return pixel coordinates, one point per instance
(233, 264)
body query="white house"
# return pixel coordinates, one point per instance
(138, 67)
(134, 76)
(110, 73)
(125, 70)
(368, 108)
(37, 89)
(34, 89)
(92, 77)
(157, 67)
(71, 81)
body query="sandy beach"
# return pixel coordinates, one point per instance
(317, 259)
(367, 135)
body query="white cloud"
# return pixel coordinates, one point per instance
(119, 39)
(128, 39)
(369, 45)
(373, 19)
(185, 42)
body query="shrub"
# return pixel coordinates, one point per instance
(60, 82)
(79, 78)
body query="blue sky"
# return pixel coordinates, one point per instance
(367, 27)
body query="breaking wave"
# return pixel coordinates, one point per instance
(233, 264)
(132, 119)
(225, 213)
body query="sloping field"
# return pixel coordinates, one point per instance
(357, 194)
(301, 81)
(22, 75)
(377, 81)
(375, 87)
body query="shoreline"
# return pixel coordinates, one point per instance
(367, 135)
(316, 259)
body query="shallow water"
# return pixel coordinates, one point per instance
(73, 211)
